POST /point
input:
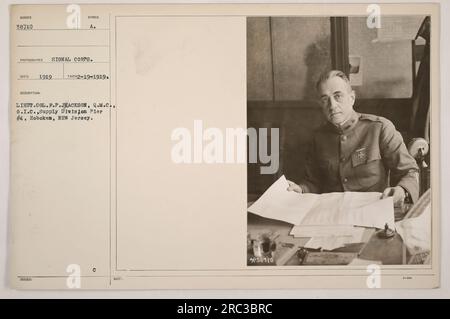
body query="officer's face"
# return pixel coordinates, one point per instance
(336, 98)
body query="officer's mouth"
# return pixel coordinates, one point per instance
(335, 114)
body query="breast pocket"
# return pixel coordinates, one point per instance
(367, 167)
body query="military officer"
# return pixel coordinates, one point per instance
(356, 152)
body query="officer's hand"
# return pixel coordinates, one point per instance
(398, 194)
(294, 187)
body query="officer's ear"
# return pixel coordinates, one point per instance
(352, 96)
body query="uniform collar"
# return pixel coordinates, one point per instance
(347, 126)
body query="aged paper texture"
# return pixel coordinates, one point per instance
(107, 191)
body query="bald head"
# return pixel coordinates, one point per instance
(331, 74)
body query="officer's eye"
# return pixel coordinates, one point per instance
(324, 100)
(338, 97)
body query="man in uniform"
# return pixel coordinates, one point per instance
(356, 152)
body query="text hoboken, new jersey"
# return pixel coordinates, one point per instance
(209, 146)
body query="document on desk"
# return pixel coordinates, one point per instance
(332, 209)
(328, 242)
(131, 147)
(416, 230)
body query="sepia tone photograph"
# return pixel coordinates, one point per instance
(344, 105)
(225, 147)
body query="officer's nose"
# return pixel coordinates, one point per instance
(332, 105)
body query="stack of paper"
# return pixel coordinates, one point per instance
(329, 219)
(416, 231)
(325, 230)
(348, 208)
(329, 237)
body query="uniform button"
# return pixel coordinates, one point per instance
(342, 159)
(343, 138)
(345, 180)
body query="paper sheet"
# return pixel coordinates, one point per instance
(329, 242)
(348, 208)
(364, 262)
(329, 237)
(355, 233)
(278, 203)
(416, 232)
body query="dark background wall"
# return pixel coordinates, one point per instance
(285, 57)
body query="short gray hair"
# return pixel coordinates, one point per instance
(331, 74)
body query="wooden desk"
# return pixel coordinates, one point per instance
(387, 251)
(391, 251)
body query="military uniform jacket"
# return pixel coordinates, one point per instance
(366, 154)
